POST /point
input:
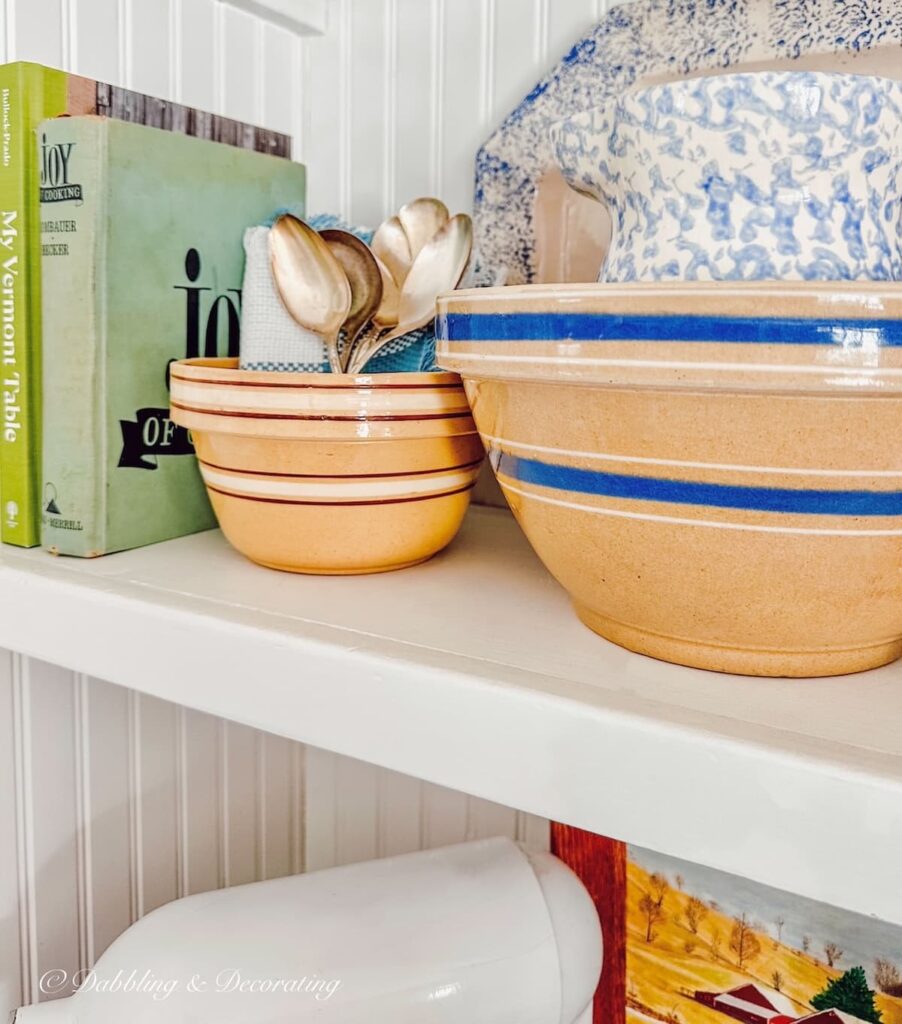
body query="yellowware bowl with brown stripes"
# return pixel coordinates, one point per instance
(330, 474)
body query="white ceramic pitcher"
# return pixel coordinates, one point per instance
(479, 933)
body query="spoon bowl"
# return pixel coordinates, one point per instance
(310, 281)
(422, 219)
(438, 268)
(387, 313)
(391, 245)
(364, 278)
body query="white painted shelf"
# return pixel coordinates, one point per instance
(471, 671)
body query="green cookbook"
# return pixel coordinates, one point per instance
(142, 262)
(29, 93)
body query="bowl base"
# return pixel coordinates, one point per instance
(739, 661)
(319, 570)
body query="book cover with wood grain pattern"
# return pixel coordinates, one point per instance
(685, 944)
(28, 94)
(142, 259)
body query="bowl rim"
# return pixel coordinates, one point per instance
(848, 340)
(595, 290)
(680, 86)
(226, 370)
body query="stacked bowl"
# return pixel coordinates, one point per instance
(704, 448)
(330, 473)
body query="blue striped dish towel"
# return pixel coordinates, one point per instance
(270, 338)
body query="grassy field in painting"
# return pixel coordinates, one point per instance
(665, 972)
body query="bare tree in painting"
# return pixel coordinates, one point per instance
(653, 913)
(887, 977)
(777, 980)
(652, 904)
(743, 940)
(659, 885)
(806, 943)
(680, 881)
(833, 953)
(779, 923)
(715, 944)
(696, 912)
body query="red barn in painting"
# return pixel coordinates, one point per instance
(754, 1004)
(757, 1004)
(830, 1017)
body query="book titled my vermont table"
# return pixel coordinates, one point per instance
(29, 93)
(142, 263)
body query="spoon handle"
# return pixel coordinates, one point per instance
(332, 353)
(347, 350)
(364, 349)
(352, 345)
(378, 340)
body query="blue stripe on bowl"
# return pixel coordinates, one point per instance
(687, 492)
(860, 333)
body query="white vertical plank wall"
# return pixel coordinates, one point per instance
(400, 93)
(112, 803)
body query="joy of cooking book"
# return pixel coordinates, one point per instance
(29, 93)
(142, 263)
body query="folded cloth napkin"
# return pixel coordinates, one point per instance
(272, 340)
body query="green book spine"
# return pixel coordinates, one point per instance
(75, 341)
(28, 94)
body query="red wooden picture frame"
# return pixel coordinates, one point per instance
(601, 865)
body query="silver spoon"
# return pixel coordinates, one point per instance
(422, 219)
(363, 276)
(310, 281)
(390, 244)
(438, 268)
(386, 315)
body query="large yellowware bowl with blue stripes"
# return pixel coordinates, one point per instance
(712, 470)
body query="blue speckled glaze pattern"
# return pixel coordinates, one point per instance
(745, 177)
(633, 42)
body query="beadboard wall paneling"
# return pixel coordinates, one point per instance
(241, 783)
(280, 90)
(11, 952)
(154, 765)
(110, 809)
(401, 93)
(306, 17)
(196, 46)
(325, 146)
(113, 803)
(202, 846)
(37, 30)
(54, 826)
(241, 70)
(356, 812)
(149, 32)
(94, 39)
